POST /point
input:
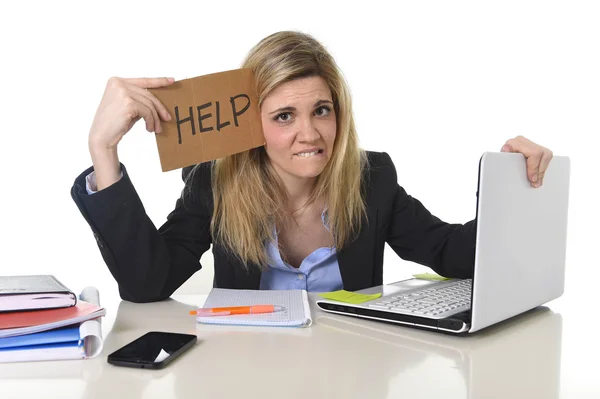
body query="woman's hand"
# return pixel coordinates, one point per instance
(125, 101)
(538, 157)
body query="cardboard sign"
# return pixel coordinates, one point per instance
(212, 116)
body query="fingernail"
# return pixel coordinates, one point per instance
(168, 117)
(171, 79)
(534, 178)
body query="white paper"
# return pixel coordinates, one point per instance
(91, 330)
(297, 313)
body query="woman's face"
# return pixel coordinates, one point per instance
(299, 125)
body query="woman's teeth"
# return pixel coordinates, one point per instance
(307, 154)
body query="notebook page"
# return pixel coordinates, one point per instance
(297, 311)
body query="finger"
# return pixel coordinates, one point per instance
(521, 145)
(160, 108)
(546, 158)
(142, 99)
(149, 83)
(139, 109)
(532, 152)
(526, 141)
(533, 169)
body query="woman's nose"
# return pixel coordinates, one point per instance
(307, 132)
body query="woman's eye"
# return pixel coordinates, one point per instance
(283, 117)
(323, 111)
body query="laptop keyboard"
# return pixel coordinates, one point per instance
(439, 302)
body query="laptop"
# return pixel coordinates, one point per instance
(520, 256)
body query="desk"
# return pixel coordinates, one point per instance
(338, 356)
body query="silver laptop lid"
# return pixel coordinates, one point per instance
(521, 237)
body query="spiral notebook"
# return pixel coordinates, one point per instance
(297, 313)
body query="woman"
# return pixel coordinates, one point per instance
(309, 210)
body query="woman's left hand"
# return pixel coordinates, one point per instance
(538, 157)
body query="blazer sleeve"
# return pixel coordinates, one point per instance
(418, 236)
(149, 264)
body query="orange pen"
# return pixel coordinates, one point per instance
(254, 309)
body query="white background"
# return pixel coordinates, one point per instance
(435, 84)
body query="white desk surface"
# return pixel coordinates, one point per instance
(337, 357)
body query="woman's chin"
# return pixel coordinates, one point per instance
(308, 173)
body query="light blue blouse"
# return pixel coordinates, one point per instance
(319, 271)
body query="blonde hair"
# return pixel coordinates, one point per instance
(249, 197)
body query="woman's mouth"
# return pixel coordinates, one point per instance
(310, 153)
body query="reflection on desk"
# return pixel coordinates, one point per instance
(338, 356)
(517, 358)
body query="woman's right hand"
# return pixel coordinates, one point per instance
(125, 101)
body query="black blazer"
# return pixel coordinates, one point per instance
(149, 264)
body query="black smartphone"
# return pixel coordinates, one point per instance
(153, 350)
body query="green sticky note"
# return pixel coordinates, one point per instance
(430, 276)
(349, 297)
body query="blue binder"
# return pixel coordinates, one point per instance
(59, 344)
(60, 335)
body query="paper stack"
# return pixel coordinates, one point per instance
(72, 331)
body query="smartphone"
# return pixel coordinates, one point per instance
(153, 350)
